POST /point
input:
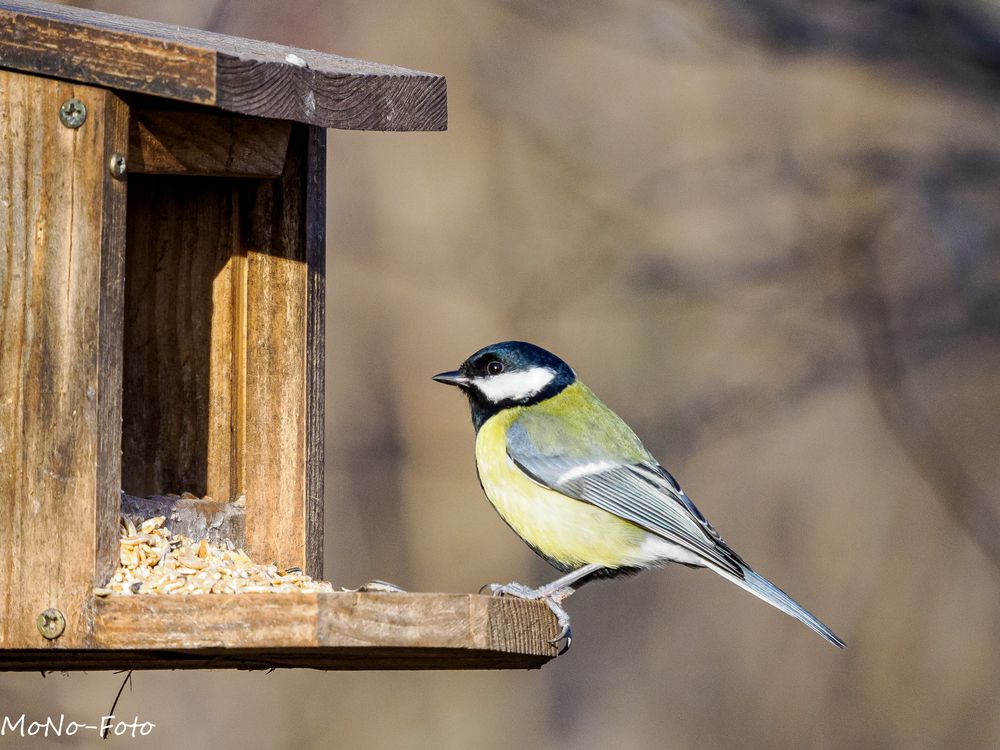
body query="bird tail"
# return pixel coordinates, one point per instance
(764, 589)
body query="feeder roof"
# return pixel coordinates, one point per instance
(231, 73)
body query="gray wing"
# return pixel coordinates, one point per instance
(642, 492)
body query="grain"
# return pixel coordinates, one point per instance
(152, 560)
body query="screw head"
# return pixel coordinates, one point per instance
(117, 166)
(51, 623)
(73, 113)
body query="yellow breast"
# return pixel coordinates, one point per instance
(566, 530)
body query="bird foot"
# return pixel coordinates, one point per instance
(551, 597)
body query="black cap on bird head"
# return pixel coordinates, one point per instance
(511, 373)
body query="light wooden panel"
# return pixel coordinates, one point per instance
(321, 631)
(61, 247)
(282, 448)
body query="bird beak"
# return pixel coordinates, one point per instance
(455, 377)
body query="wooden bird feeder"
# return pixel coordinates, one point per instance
(162, 258)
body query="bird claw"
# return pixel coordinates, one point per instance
(552, 599)
(565, 631)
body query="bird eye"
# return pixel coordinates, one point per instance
(495, 367)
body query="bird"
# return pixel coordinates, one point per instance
(573, 480)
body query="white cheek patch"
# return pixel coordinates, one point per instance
(513, 386)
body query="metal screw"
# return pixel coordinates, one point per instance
(117, 166)
(51, 623)
(73, 113)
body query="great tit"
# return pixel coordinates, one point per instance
(575, 483)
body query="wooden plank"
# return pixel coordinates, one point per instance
(337, 620)
(435, 621)
(207, 621)
(206, 144)
(315, 228)
(327, 91)
(62, 220)
(239, 75)
(347, 630)
(183, 279)
(284, 522)
(111, 342)
(72, 44)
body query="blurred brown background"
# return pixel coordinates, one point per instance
(767, 233)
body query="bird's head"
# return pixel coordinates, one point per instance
(511, 373)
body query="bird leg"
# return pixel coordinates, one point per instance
(553, 595)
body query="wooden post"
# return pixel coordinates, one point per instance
(283, 239)
(62, 228)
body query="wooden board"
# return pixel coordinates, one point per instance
(282, 237)
(318, 631)
(205, 143)
(61, 250)
(239, 75)
(315, 239)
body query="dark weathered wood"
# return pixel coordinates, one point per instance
(239, 75)
(196, 518)
(182, 320)
(111, 333)
(315, 228)
(323, 93)
(61, 237)
(206, 144)
(71, 44)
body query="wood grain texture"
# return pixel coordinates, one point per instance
(274, 449)
(182, 321)
(111, 343)
(209, 621)
(63, 42)
(315, 230)
(337, 620)
(206, 144)
(435, 621)
(61, 238)
(319, 631)
(239, 75)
